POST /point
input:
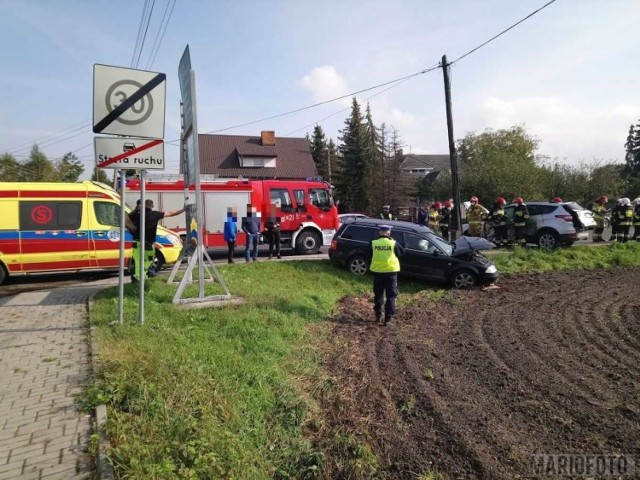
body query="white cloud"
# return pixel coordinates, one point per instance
(324, 83)
(565, 129)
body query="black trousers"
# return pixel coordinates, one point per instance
(231, 245)
(444, 229)
(274, 241)
(520, 234)
(501, 235)
(385, 283)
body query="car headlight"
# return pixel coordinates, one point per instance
(491, 269)
(174, 239)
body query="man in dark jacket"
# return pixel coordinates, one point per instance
(273, 231)
(251, 227)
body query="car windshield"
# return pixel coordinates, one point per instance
(443, 245)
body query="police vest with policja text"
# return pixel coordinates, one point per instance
(384, 259)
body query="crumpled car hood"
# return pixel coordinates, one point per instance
(469, 244)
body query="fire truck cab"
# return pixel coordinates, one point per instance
(307, 215)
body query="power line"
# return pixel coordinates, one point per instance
(502, 32)
(51, 136)
(156, 44)
(142, 17)
(153, 4)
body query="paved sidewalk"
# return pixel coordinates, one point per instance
(43, 364)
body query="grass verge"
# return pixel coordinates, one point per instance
(534, 260)
(229, 392)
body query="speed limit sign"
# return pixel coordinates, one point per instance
(128, 102)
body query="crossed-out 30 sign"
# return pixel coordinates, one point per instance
(128, 102)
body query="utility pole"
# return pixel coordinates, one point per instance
(453, 158)
(329, 165)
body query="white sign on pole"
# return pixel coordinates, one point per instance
(128, 102)
(129, 153)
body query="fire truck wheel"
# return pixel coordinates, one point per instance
(308, 243)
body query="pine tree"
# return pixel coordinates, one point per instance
(350, 180)
(318, 147)
(332, 165)
(632, 147)
(373, 165)
(69, 168)
(398, 184)
(9, 168)
(38, 168)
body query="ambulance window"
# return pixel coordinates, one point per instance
(43, 215)
(281, 199)
(107, 213)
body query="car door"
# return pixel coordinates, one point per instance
(105, 233)
(422, 258)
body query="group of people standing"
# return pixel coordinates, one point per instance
(251, 226)
(624, 215)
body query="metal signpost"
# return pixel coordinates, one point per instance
(191, 166)
(131, 104)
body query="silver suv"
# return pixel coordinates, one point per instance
(551, 224)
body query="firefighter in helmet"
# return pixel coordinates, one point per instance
(498, 220)
(434, 217)
(520, 216)
(445, 219)
(476, 213)
(616, 214)
(386, 213)
(636, 220)
(625, 215)
(556, 200)
(599, 210)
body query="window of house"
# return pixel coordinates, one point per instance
(47, 215)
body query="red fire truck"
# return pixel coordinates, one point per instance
(308, 216)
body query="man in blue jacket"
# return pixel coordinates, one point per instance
(231, 231)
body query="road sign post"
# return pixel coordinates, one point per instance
(131, 104)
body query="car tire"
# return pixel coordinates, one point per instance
(158, 261)
(462, 279)
(308, 243)
(4, 275)
(606, 223)
(358, 265)
(548, 239)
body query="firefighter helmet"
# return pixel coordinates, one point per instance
(625, 202)
(519, 200)
(556, 200)
(636, 201)
(474, 199)
(437, 205)
(501, 201)
(603, 199)
(448, 204)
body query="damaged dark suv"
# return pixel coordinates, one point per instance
(427, 256)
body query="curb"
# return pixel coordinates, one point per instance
(103, 468)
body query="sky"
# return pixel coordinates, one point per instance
(569, 74)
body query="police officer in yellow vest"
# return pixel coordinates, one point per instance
(385, 265)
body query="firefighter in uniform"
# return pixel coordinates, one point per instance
(498, 220)
(434, 217)
(476, 213)
(616, 214)
(386, 213)
(599, 210)
(445, 219)
(385, 265)
(520, 216)
(626, 219)
(556, 200)
(636, 220)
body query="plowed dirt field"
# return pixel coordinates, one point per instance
(472, 386)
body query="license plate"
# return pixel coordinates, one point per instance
(583, 235)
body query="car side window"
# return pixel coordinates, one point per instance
(508, 211)
(421, 244)
(107, 213)
(534, 210)
(398, 237)
(358, 233)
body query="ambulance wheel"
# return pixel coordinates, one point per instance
(308, 243)
(3, 273)
(158, 261)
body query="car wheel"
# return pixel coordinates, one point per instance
(158, 261)
(308, 243)
(3, 274)
(463, 279)
(358, 265)
(548, 239)
(606, 223)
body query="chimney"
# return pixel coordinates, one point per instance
(268, 138)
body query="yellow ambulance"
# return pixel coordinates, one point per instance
(61, 227)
